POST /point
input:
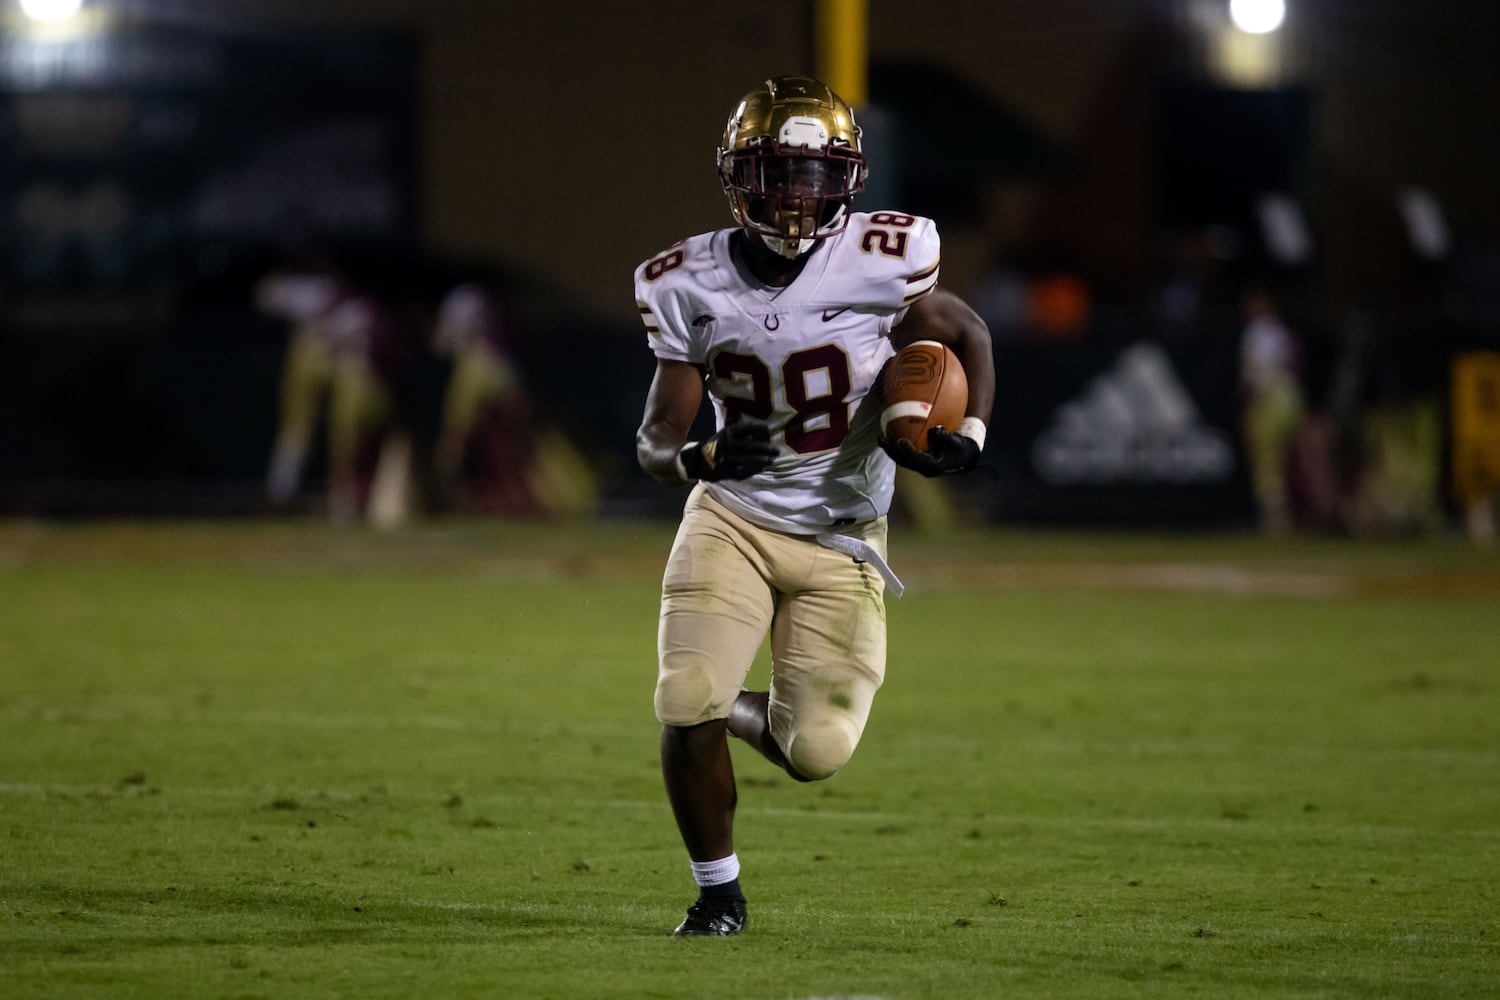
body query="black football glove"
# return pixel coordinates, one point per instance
(946, 453)
(738, 451)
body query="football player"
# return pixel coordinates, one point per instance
(786, 319)
(301, 296)
(485, 408)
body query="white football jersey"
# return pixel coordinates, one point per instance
(803, 358)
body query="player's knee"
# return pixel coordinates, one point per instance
(685, 691)
(819, 750)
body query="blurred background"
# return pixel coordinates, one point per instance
(371, 259)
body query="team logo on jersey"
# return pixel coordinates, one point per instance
(771, 321)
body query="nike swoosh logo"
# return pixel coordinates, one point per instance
(828, 316)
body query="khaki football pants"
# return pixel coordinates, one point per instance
(727, 583)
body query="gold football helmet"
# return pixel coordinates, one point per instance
(791, 163)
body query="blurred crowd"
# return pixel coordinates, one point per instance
(404, 378)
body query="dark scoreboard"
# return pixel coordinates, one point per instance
(141, 161)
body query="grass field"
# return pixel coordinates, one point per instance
(284, 760)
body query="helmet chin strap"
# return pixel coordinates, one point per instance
(790, 249)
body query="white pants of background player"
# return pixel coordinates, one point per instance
(727, 583)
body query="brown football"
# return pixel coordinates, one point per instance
(924, 386)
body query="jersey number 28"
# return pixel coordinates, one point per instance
(815, 383)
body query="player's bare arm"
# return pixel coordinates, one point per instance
(671, 406)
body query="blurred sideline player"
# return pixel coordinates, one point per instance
(492, 451)
(1270, 376)
(787, 318)
(371, 351)
(302, 296)
(348, 347)
(485, 408)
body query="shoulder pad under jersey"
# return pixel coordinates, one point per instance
(668, 286)
(883, 260)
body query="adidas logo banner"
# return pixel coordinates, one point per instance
(1134, 424)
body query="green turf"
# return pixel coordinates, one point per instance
(274, 760)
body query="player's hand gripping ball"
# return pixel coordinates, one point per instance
(925, 393)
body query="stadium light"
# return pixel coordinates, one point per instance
(50, 10)
(1257, 17)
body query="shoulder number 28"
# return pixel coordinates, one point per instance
(887, 234)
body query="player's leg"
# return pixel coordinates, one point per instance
(828, 651)
(750, 721)
(716, 608)
(305, 378)
(1271, 418)
(699, 776)
(479, 381)
(360, 406)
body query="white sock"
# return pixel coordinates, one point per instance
(718, 872)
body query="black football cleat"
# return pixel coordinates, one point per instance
(713, 918)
